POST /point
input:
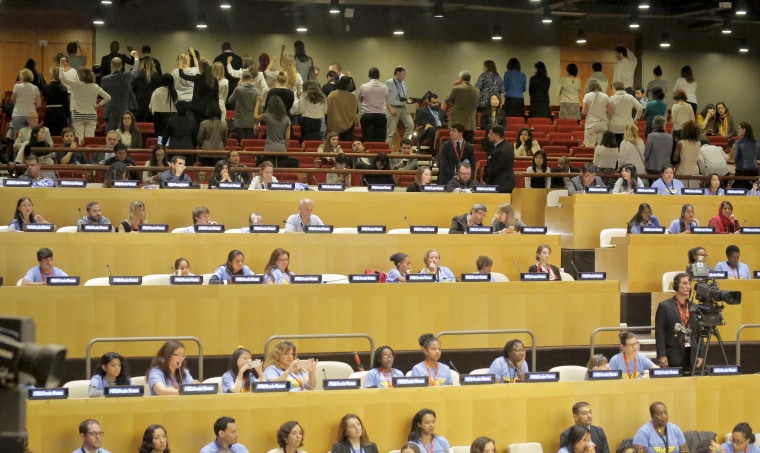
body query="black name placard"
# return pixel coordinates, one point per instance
(739, 192)
(363, 278)
(186, 279)
(410, 381)
(96, 228)
(476, 277)
(17, 183)
(72, 183)
(247, 279)
(477, 379)
(62, 281)
(124, 391)
(592, 276)
(318, 229)
(750, 230)
(432, 188)
(703, 230)
(717, 275)
(655, 373)
(306, 279)
(271, 387)
(545, 376)
(199, 389)
(597, 190)
(125, 280)
(534, 276)
(371, 229)
(604, 375)
(423, 229)
(533, 230)
(60, 393)
(154, 228)
(485, 189)
(233, 185)
(281, 186)
(337, 187)
(381, 187)
(209, 228)
(725, 370)
(692, 191)
(645, 190)
(178, 184)
(479, 229)
(419, 278)
(38, 227)
(652, 230)
(132, 184)
(264, 228)
(341, 384)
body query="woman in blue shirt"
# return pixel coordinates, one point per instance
(277, 271)
(423, 426)
(742, 440)
(112, 370)
(685, 223)
(235, 266)
(403, 266)
(437, 373)
(511, 366)
(240, 377)
(442, 273)
(643, 218)
(382, 373)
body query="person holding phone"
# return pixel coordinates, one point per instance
(283, 365)
(240, 377)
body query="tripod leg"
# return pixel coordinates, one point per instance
(720, 343)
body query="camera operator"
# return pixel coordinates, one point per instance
(673, 335)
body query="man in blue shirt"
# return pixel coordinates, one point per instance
(226, 437)
(37, 276)
(732, 267)
(92, 437)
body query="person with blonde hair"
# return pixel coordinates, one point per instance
(25, 99)
(295, 84)
(505, 220)
(184, 87)
(84, 101)
(632, 150)
(224, 88)
(283, 365)
(136, 217)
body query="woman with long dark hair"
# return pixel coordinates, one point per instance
(163, 104)
(277, 270)
(157, 159)
(154, 440)
(312, 107)
(353, 437)
(24, 214)
(278, 127)
(538, 88)
(145, 79)
(490, 84)
(168, 370)
(514, 89)
(240, 376)
(539, 166)
(642, 218)
(423, 434)
(112, 370)
(628, 181)
(382, 373)
(235, 265)
(688, 84)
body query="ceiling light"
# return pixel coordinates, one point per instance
(741, 8)
(225, 4)
(334, 7)
(398, 28)
(634, 24)
(581, 36)
(438, 12)
(743, 47)
(201, 21)
(665, 41)
(301, 24)
(643, 4)
(106, 2)
(547, 18)
(726, 30)
(496, 35)
(97, 17)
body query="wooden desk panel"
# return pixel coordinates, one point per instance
(559, 313)
(507, 413)
(582, 217)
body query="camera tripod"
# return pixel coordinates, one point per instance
(706, 332)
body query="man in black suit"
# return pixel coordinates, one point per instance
(118, 84)
(237, 63)
(429, 119)
(582, 416)
(674, 346)
(453, 152)
(500, 169)
(105, 62)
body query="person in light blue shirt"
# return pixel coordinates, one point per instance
(168, 370)
(283, 365)
(92, 437)
(659, 435)
(437, 373)
(643, 218)
(403, 266)
(382, 373)
(226, 437)
(742, 440)
(297, 223)
(443, 274)
(422, 433)
(731, 266)
(511, 366)
(37, 276)
(685, 223)
(235, 266)
(112, 371)
(578, 440)
(277, 271)
(667, 184)
(629, 361)
(240, 377)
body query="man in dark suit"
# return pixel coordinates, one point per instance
(476, 216)
(582, 416)
(237, 63)
(463, 100)
(105, 62)
(119, 85)
(453, 152)
(674, 346)
(429, 119)
(500, 169)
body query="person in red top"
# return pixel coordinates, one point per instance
(725, 222)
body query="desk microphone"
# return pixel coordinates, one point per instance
(324, 373)
(109, 270)
(451, 364)
(314, 178)
(366, 183)
(359, 365)
(80, 212)
(517, 267)
(406, 219)
(577, 272)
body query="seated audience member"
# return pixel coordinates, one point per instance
(129, 133)
(685, 223)
(277, 270)
(340, 178)
(402, 265)
(666, 184)
(587, 178)
(70, 157)
(34, 173)
(732, 266)
(540, 167)
(226, 438)
(725, 222)
(120, 155)
(92, 437)
(112, 371)
(432, 259)
(422, 435)
(154, 440)
(168, 370)
(135, 217)
(659, 434)
(713, 185)
(265, 176)
(563, 166)
(289, 438)
(452, 153)
(629, 360)
(353, 437)
(24, 214)
(379, 162)
(382, 373)
(577, 440)
(405, 163)
(438, 373)
(360, 163)
(255, 218)
(283, 365)
(583, 419)
(157, 159)
(201, 216)
(112, 139)
(93, 217)
(511, 366)
(422, 178)
(235, 265)
(628, 181)
(239, 378)
(712, 159)
(117, 171)
(37, 276)
(484, 263)
(642, 218)
(742, 439)
(543, 252)
(429, 119)
(462, 182)
(176, 171)
(598, 362)
(525, 144)
(296, 223)
(25, 135)
(330, 145)
(505, 222)
(242, 176)
(182, 268)
(221, 174)
(460, 223)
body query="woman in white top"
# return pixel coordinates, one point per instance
(680, 113)
(597, 110)
(84, 101)
(163, 103)
(628, 181)
(295, 84)
(26, 99)
(184, 87)
(525, 145)
(687, 153)
(250, 65)
(265, 176)
(224, 88)
(606, 156)
(688, 85)
(312, 106)
(569, 87)
(539, 166)
(632, 149)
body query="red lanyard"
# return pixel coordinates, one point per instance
(428, 450)
(174, 382)
(42, 276)
(460, 152)
(297, 379)
(627, 370)
(388, 377)
(432, 380)
(684, 313)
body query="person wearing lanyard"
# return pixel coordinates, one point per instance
(240, 377)
(289, 438)
(226, 437)
(659, 435)
(37, 276)
(732, 266)
(396, 101)
(511, 366)
(671, 326)
(667, 185)
(282, 365)
(352, 437)
(92, 437)
(437, 373)
(421, 434)
(296, 223)
(382, 373)
(632, 363)
(168, 370)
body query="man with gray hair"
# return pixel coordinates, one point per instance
(460, 223)
(463, 100)
(297, 223)
(659, 147)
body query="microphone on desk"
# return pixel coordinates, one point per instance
(324, 373)
(577, 272)
(451, 364)
(314, 178)
(366, 183)
(108, 266)
(359, 365)
(517, 267)
(406, 219)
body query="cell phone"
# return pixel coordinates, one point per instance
(302, 363)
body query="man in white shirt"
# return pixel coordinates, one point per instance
(625, 67)
(296, 223)
(372, 96)
(622, 104)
